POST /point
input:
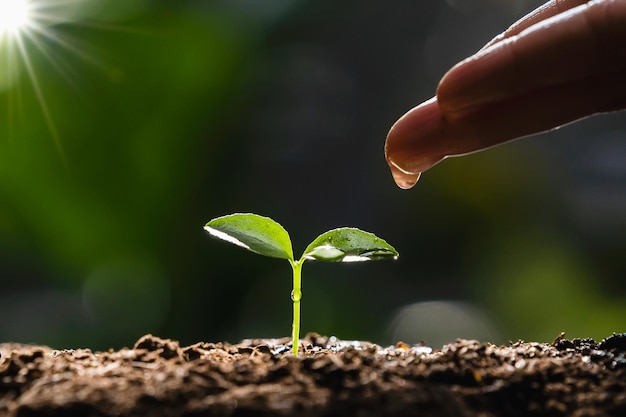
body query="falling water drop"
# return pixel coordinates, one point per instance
(404, 180)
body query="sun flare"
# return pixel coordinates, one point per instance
(30, 27)
(15, 16)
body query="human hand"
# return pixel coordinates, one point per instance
(562, 62)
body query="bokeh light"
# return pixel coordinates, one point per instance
(438, 322)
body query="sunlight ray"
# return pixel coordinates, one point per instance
(34, 26)
(71, 45)
(40, 97)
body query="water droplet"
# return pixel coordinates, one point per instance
(404, 180)
(295, 297)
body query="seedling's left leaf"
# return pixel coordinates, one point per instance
(348, 244)
(256, 233)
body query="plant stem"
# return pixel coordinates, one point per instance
(296, 295)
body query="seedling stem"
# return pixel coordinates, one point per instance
(296, 295)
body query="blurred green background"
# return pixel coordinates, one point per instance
(160, 115)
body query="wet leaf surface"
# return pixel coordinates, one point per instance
(348, 244)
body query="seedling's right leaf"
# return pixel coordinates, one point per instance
(256, 233)
(348, 244)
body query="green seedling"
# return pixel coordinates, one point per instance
(266, 237)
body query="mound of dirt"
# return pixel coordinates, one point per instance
(330, 377)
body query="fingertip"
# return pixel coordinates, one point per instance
(414, 143)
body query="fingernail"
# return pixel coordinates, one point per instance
(414, 143)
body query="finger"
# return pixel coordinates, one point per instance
(546, 11)
(583, 42)
(412, 143)
(432, 131)
(425, 135)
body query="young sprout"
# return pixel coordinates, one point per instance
(266, 237)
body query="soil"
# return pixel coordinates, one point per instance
(330, 377)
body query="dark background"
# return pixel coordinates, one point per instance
(160, 115)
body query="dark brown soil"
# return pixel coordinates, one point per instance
(330, 378)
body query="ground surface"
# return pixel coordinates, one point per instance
(330, 378)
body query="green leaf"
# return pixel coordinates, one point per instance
(348, 244)
(256, 233)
